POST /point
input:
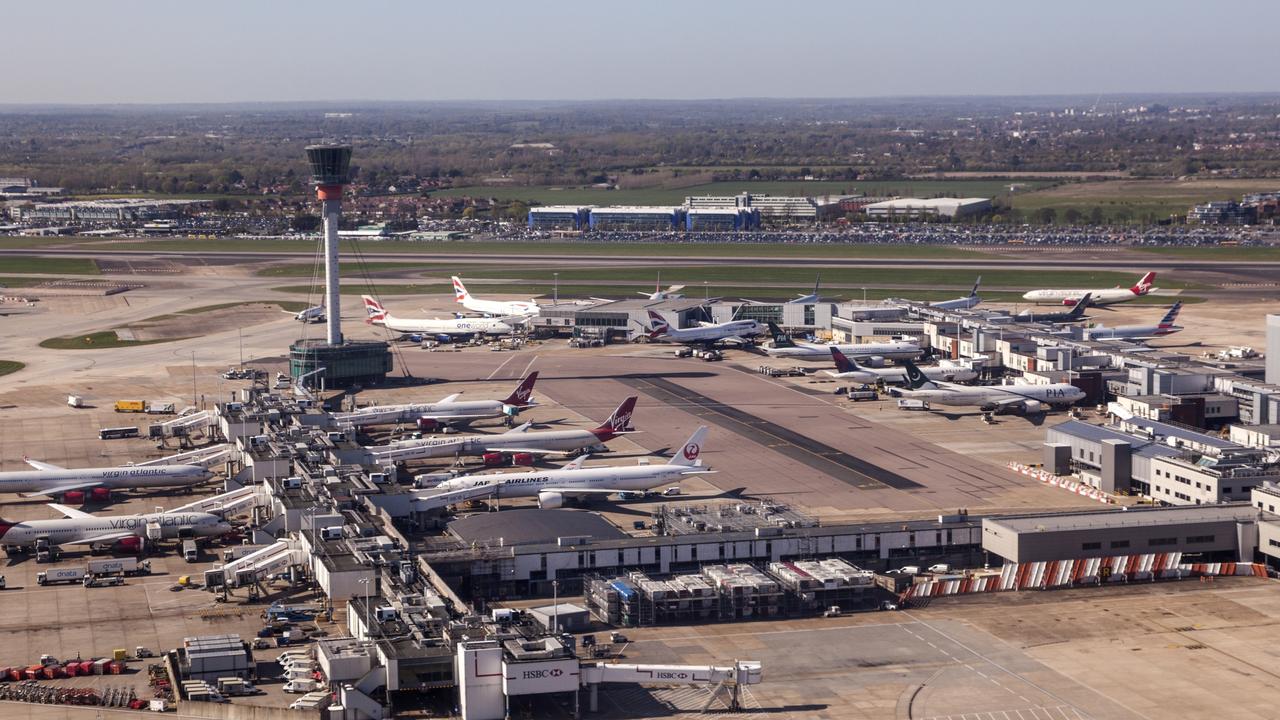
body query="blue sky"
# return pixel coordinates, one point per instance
(146, 51)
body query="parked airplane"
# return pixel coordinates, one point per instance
(551, 487)
(1166, 326)
(125, 531)
(848, 369)
(444, 412)
(49, 479)
(517, 441)
(1106, 296)
(314, 314)
(491, 307)
(962, 303)
(1023, 399)
(1075, 314)
(671, 293)
(378, 315)
(800, 299)
(734, 331)
(784, 347)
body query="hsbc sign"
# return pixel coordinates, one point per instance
(540, 677)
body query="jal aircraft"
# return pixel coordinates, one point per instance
(516, 441)
(1104, 296)
(1021, 398)
(49, 479)
(1165, 327)
(961, 303)
(491, 307)
(551, 487)
(125, 531)
(847, 369)
(446, 411)
(784, 347)
(734, 331)
(378, 315)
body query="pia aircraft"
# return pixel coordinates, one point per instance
(125, 531)
(445, 412)
(1022, 399)
(784, 347)
(734, 331)
(848, 369)
(516, 441)
(1165, 327)
(378, 315)
(1104, 296)
(1075, 314)
(491, 307)
(552, 487)
(961, 303)
(53, 480)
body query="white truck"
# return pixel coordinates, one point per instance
(124, 566)
(301, 685)
(61, 575)
(190, 551)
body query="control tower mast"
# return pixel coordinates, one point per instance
(330, 173)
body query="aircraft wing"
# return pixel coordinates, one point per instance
(735, 340)
(448, 418)
(104, 538)
(519, 428)
(46, 467)
(70, 512)
(453, 497)
(585, 491)
(59, 489)
(531, 451)
(451, 398)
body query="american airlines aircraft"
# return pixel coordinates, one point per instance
(127, 531)
(1165, 327)
(1104, 296)
(516, 441)
(848, 369)
(378, 315)
(784, 347)
(491, 307)
(1021, 398)
(444, 412)
(734, 331)
(50, 479)
(551, 487)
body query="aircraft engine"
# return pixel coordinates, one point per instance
(428, 425)
(525, 459)
(73, 497)
(100, 495)
(129, 545)
(550, 500)
(492, 459)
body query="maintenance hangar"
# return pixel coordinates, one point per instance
(637, 218)
(559, 217)
(1217, 533)
(932, 208)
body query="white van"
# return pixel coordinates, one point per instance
(300, 685)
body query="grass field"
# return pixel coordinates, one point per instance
(48, 265)
(96, 341)
(1138, 198)
(1228, 253)
(674, 196)
(18, 281)
(8, 367)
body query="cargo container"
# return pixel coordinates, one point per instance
(159, 407)
(59, 575)
(130, 406)
(75, 401)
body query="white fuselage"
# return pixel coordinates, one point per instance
(1108, 296)
(1131, 332)
(898, 375)
(630, 477)
(458, 326)
(712, 333)
(475, 445)
(979, 396)
(963, 303)
(387, 414)
(896, 350)
(499, 307)
(127, 477)
(68, 531)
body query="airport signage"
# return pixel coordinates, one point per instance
(533, 678)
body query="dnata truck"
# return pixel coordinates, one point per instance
(61, 575)
(123, 566)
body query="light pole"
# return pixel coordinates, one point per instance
(368, 622)
(556, 290)
(864, 296)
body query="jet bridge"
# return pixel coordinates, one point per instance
(186, 424)
(229, 503)
(726, 678)
(204, 457)
(251, 569)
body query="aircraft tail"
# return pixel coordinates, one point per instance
(460, 293)
(1077, 310)
(658, 325)
(780, 338)
(1144, 285)
(1170, 317)
(843, 363)
(619, 421)
(524, 391)
(376, 312)
(688, 453)
(974, 292)
(916, 378)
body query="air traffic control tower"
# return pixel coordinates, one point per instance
(343, 363)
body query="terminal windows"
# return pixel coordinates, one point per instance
(1091, 546)
(1273, 542)
(1119, 544)
(1197, 539)
(1156, 542)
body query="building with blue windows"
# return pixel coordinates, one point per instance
(558, 217)
(637, 218)
(721, 219)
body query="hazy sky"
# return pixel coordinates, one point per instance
(266, 50)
